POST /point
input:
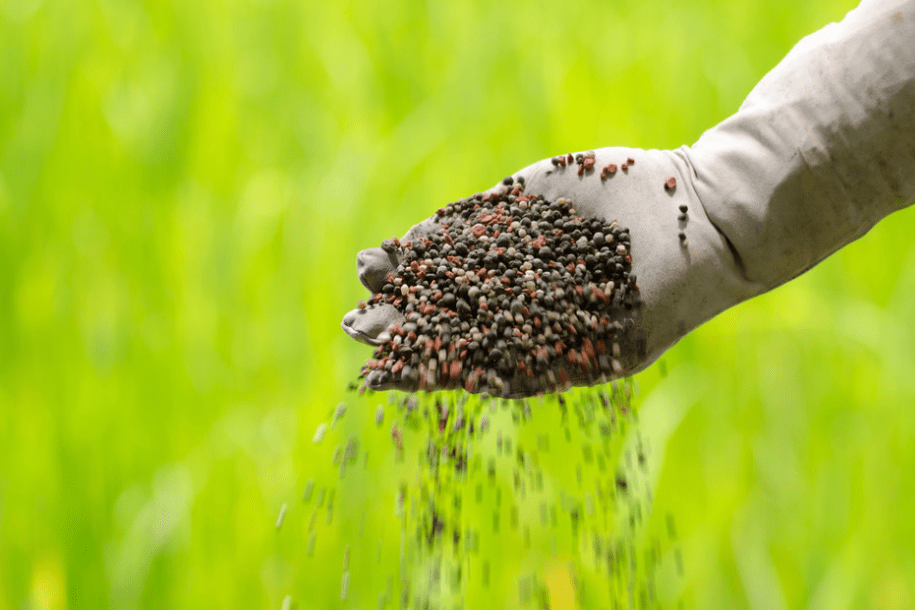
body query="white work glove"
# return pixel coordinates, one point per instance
(820, 151)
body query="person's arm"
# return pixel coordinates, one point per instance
(820, 151)
(822, 148)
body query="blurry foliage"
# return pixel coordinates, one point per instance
(183, 189)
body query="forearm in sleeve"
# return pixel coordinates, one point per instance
(822, 148)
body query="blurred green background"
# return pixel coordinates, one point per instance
(183, 189)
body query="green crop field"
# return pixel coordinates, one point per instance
(183, 190)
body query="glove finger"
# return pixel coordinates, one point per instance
(373, 265)
(364, 325)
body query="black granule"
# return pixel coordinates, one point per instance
(683, 208)
(513, 294)
(682, 236)
(682, 217)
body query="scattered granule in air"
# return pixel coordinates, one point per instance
(320, 432)
(351, 452)
(338, 414)
(452, 463)
(344, 586)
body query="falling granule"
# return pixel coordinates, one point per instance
(344, 587)
(281, 516)
(524, 589)
(287, 603)
(320, 431)
(441, 552)
(330, 506)
(351, 452)
(379, 415)
(309, 490)
(338, 414)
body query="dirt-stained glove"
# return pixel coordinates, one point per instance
(820, 151)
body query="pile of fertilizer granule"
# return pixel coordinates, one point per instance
(509, 294)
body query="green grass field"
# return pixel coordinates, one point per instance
(183, 190)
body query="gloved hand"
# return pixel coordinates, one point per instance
(822, 149)
(683, 282)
